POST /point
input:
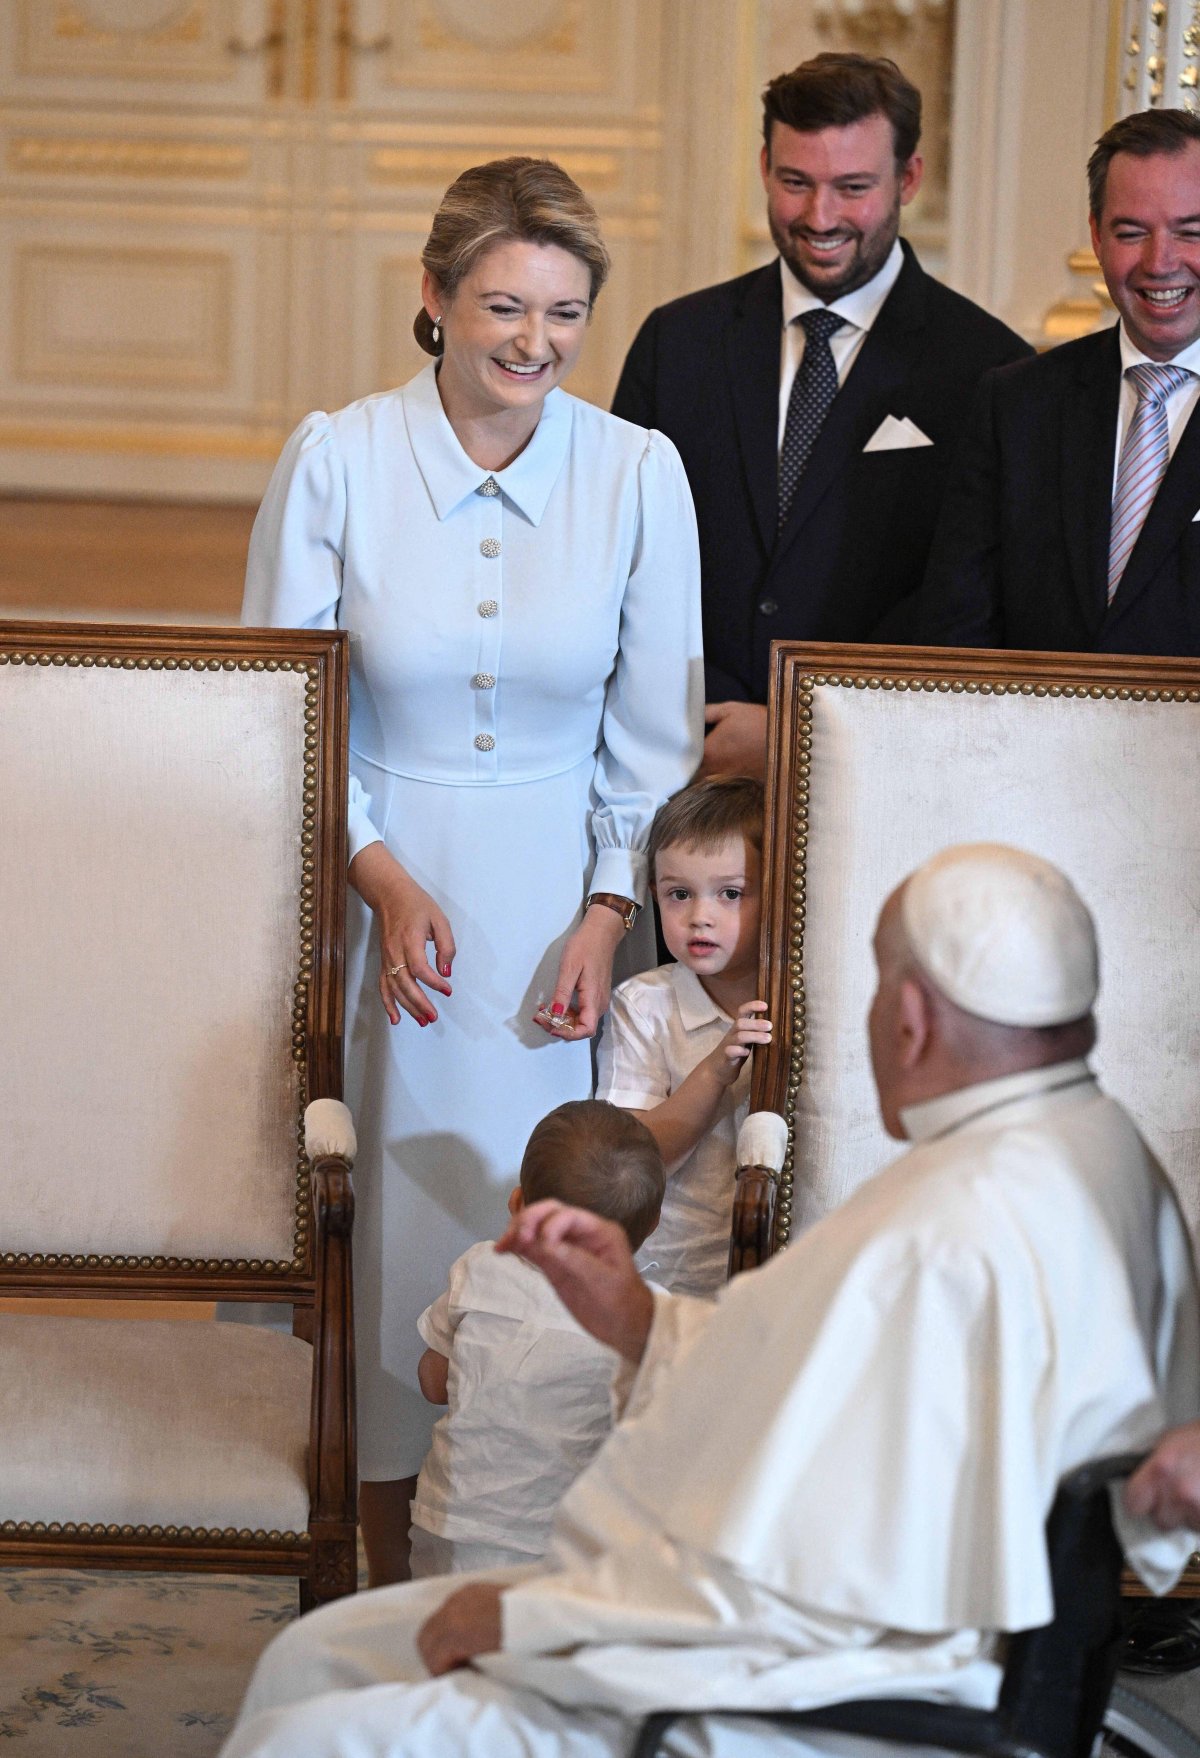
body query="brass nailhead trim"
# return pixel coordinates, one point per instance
(177, 1534)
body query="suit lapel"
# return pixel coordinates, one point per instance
(1170, 514)
(752, 347)
(884, 362)
(1087, 456)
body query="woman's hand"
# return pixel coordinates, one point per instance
(408, 920)
(585, 973)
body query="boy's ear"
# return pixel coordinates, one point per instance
(516, 1201)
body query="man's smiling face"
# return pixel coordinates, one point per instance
(1147, 240)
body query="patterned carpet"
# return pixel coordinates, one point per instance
(140, 1666)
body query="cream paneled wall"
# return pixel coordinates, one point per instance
(211, 211)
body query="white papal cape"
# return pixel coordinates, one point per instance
(835, 1481)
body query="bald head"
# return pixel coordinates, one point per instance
(1001, 928)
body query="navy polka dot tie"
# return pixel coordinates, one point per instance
(813, 390)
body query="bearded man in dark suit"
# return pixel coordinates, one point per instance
(815, 402)
(1073, 520)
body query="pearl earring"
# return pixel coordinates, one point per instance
(437, 329)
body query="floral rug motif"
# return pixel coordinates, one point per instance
(140, 1666)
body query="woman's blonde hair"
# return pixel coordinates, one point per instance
(530, 200)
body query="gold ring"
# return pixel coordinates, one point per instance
(394, 970)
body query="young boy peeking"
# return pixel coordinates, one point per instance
(527, 1389)
(675, 1046)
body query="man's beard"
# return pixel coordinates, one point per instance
(871, 252)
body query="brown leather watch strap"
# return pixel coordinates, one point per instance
(624, 906)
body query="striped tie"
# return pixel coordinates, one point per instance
(1144, 457)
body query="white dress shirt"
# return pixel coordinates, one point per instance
(1180, 403)
(528, 1404)
(659, 1026)
(858, 310)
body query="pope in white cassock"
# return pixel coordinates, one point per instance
(834, 1481)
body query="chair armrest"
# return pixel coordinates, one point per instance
(329, 1131)
(904, 1721)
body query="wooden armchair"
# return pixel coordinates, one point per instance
(172, 903)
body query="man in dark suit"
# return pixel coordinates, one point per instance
(814, 402)
(1071, 521)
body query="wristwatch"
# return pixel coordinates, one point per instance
(624, 906)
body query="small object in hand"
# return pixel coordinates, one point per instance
(562, 1023)
(395, 969)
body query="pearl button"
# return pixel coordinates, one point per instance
(490, 547)
(484, 742)
(768, 607)
(483, 680)
(488, 607)
(491, 487)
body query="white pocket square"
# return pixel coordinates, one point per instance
(1196, 517)
(895, 434)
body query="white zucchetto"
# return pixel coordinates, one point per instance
(1002, 934)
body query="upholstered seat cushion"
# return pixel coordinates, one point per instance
(153, 1423)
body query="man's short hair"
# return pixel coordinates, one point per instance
(707, 814)
(598, 1157)
(1143, 134)
(835, 89)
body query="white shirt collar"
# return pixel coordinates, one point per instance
(1130, 356)
(936, 1117)
(696, 1005)
(450, 476)
(859, 308)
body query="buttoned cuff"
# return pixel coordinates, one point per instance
(620, 870)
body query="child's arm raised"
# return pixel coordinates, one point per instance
(433, 1371)
(678, 1124)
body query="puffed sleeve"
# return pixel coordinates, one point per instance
(631, 1063)
(294, 568)
(653, 725)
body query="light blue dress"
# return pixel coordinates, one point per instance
(526, 689)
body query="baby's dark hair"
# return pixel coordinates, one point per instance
(708, 813)
(595, 1155)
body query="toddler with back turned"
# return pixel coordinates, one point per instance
(527, 1390)
(676, 1043)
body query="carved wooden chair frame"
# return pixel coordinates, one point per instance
(316, 1278)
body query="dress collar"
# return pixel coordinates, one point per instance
(859, 309)
(950, 1111)
(450, 476)
(696, 1005)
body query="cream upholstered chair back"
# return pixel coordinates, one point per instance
(171, 915)
(879, 758)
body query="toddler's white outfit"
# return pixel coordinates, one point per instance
(529, 1405)
(658, 1027)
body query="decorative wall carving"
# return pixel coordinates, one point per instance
(129, 39)
(141, 319)
(93, 156)
(1159, 61)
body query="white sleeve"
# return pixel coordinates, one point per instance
(653, 725)
(438, 1323)
(631, 1062)
(294, 568)
(680, 1320)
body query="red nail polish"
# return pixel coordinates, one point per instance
(445, 970)
(558, 1009)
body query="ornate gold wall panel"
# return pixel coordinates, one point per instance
(547, 46)
(141, 319)
(135, 39)
(97, 156)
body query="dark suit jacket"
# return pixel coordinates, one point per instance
(1021, 553)
(705, 371)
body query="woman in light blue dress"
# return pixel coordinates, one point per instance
(519, 575)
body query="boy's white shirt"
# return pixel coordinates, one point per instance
(529, 1404)
(659, 1026)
